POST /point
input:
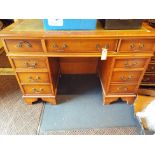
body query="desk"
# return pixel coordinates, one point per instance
(39, 57)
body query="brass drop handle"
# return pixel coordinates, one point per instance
(34, 79)
(64, 46)
(30, 65)
(132, 46)
(127, 65)
(130, 77)
(54, 45)
(99, 48)
(126, 78)
(123, 88)
(146, 79)
(123, 78)
(36, 91)
(37, 78)
(141, 45)
(20, 44)
(152, 67)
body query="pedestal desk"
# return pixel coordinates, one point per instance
(39, 57)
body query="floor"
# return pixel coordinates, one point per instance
(15, 116)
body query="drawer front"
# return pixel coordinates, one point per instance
(153, 59)
(122, 89)
(33, 77)
(137, 45)
(37, 89)
(125, 76)
(80, 45)
(151, 67)
(29, 63)
(20, 45)
(130, 63)
(149, 78)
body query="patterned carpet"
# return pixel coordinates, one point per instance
(102, 131)
(15, 116)
(80, 111)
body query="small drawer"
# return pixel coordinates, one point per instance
(151, 68)
(33, 77)
(81, 45)
(37, 89)
(130, 63)
(153, 59)
(122, 89)
(125, 76)
(149, 78)
(24, 45)
(137, 45)
(30, 63)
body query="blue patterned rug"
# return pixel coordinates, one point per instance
(81, 111)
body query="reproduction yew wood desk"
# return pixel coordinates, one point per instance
(39, 57)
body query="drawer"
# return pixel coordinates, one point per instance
(125, 76)
(149, 78)
(151, 67)
(20, 45)
(33, 77)
(29, 63)
(37, 89)
(137, 45)
(122, 89)
(80, 45)
(130, 63)
(153, 59)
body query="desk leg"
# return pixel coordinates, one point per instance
(108, 100)
(29, 101)
(50, 100)
(129, 100)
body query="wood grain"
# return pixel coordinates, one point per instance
(34, 52)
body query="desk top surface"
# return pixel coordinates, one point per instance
(34, 28)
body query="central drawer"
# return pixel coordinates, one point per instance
(80, 45)
(126, 76)
(24, 45)
(29, 77)
(37, 89)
